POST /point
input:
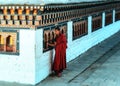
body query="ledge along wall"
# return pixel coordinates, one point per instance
(31, 61)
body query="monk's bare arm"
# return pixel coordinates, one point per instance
(52, 44)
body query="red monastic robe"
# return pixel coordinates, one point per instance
(60, 53)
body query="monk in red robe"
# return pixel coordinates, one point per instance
(60, 44)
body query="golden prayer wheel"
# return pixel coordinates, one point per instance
(5, 11)
(27, 11)
(12, 11)
(20, 11)
(35, 12)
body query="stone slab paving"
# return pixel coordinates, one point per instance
(106, 75)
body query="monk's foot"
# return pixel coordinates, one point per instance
(59, 74)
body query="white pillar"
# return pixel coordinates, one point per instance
(89, 25)
(113, 16)
(70, 32)
(39, 42)
(103, 19)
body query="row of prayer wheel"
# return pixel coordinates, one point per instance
(80, 28)
(96, 23)
(117, 16)
(49, 36)
(108, 18)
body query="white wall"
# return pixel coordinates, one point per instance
(20, 68)
(42, 60)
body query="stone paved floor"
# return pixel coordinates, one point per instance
(106, 75)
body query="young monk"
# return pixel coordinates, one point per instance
(60, 44)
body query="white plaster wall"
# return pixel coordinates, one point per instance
(42, 60)
(20, 68)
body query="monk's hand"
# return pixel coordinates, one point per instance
(47, 43)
